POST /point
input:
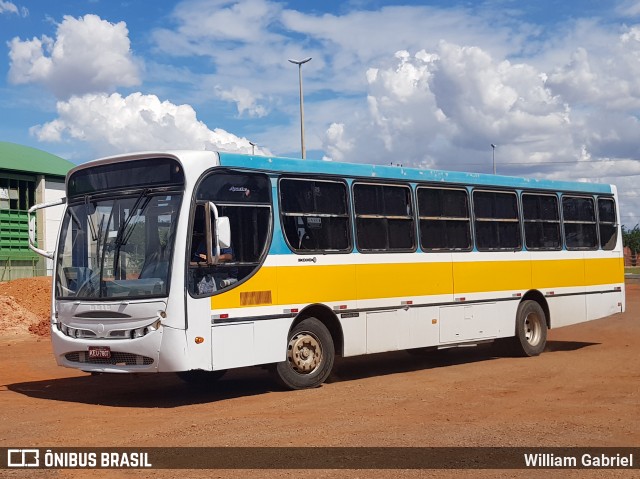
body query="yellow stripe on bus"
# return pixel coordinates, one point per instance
(485, 276)
(603, 271)
(323, 284)
(398, 280)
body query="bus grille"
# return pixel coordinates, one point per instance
(116, 359)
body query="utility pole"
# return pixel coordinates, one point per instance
(300, 63)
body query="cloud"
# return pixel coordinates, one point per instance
(203, 24)
(11, 8)
(88, 55)
(607, 80)
(431, 87)
(245, 101)
(441, 108)
(413, 84)
(117, 124)
(249, 41)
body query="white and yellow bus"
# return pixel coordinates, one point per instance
(197, 262)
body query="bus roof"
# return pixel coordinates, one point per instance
(354, 170)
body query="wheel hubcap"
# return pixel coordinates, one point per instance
(304, 353)
(532, 329)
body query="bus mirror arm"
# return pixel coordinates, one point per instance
(32, 225)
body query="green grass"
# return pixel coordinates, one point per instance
(632, 270)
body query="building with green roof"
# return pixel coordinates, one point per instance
(28, 176)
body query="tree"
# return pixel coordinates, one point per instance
(631, 239)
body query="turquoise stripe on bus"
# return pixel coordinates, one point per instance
(383, 172)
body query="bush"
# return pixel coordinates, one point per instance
(631, 239)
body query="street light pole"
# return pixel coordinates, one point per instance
(493, 156)
(253, 148)
(300, 63)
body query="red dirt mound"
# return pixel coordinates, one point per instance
(25, 305)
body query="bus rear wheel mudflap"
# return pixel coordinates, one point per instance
(310, 356)
(531, 329)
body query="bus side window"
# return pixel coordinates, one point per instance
(541, 221)
(497, 224)
(315, 215)
(199, 235)
(384, 218)
(244, 198)
(445, 221)
(607, 222)
(579, 222)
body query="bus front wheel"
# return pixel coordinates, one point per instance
(310, 356)
(531, 329)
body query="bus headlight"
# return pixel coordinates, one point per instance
(140, 332)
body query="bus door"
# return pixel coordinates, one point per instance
(230, 237)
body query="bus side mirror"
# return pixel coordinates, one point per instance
(223, 232)
(221, 235)
(32, 226)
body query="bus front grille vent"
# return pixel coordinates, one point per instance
(116, 359)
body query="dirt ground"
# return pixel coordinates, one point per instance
(583, 391)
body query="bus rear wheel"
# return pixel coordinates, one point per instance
(310, 356)
(531, 329)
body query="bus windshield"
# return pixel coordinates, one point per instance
(117, 247)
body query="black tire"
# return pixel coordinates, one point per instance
(200, 378)
(310, 356)
(531, 329)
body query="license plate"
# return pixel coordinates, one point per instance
(100, 352)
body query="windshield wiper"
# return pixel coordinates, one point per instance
(124, 233)
(92, 227)
(120, 236)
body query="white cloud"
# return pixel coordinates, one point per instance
(203, 26)
(88, 55)
(11, 8)
(250, 41)
(444, 108)
(629, 8)
(116, 124)
(441, 108)
(338, 145)
(245, 101)
(8, 7)
(606, 80)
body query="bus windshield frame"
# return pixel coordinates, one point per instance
(118, 247)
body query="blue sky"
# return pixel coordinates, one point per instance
(554, 84)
